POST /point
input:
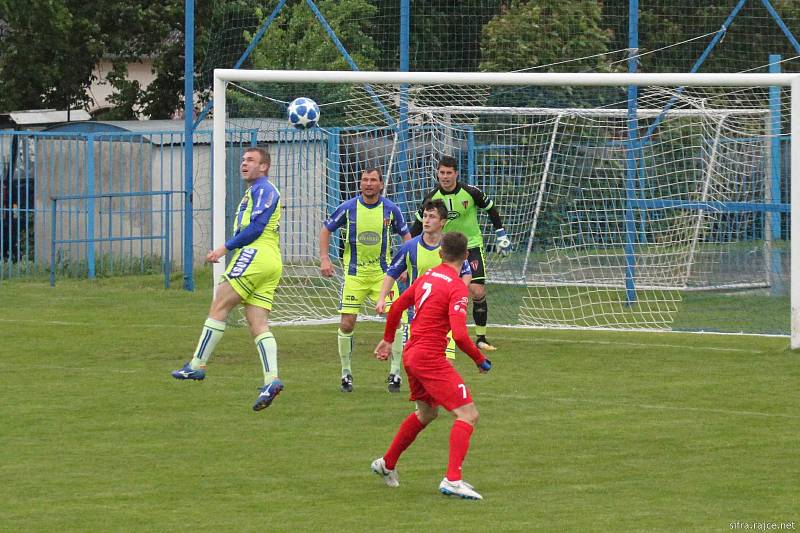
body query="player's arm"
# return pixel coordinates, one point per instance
(484, 203)
(466, 273)
(325, 266)
(399, 224)
(386, 286)
(335, 221)
(265, 202)
(405, 301)
(458, 325)
(396, 268)
(384, 348)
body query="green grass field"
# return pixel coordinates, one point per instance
(580, 431)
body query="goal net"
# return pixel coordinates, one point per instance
(617, 207)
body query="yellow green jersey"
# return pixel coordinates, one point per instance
(417, 257)
(366, 231)
(257, 218)
(462, 205)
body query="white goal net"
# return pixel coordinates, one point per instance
(616, 208)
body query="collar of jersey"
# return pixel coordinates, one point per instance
(458, 188)
(425, 244)
(259, 179)
(369, 206)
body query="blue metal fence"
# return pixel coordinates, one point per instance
(121, 188)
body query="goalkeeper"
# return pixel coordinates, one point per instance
(463, 202)
(251, 277)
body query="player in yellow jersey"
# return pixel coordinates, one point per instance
(250, 279)
(367, 222)
(417, 256)
(463, 202)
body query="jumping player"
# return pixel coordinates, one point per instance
(251, 277)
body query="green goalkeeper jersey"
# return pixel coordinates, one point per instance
(462, 204)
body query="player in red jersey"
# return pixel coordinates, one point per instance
(440, 302)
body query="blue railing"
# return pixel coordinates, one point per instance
(91, 240)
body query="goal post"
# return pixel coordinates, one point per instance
(722, 136)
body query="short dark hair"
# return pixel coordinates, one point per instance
(370, 170)
(262, 152)
(454, 246)
(436, 205)
(447, 161)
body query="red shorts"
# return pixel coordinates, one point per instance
(439, 385)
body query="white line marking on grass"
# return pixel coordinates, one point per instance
(608, 343)
(637, 344)
(328, 330)
(642, 406)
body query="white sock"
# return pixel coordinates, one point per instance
(210, 336)
(268, 355)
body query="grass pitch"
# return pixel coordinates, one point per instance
(580, 431)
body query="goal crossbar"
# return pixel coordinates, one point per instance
(791, 81)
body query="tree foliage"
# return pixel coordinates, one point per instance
(48, 48)
(535, 33)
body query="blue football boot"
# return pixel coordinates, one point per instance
(268, 394)
(187, 372)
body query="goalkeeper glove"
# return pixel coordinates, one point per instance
(486, 365)
(503, 243)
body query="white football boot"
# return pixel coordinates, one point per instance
(389, 476)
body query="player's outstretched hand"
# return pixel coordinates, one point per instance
(485, 366)
(214, 256)
(503, 243)
(380, 306)
(326, 268)
(383, 350)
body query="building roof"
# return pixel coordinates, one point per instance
(165, 132)
(44, 117)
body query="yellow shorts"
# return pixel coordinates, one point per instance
(358, 288)
(254, 275)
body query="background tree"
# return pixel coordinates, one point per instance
(297, 40)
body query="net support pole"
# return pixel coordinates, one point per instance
(631, 166)
(795, 217)
(772, 229)
(401, 180)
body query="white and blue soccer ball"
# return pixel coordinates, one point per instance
(303, 113)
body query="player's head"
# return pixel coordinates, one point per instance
(371, 184)
(434, 216)
(255, 163)
(447, 173)
(454, 247)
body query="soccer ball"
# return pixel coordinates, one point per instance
(303, 113)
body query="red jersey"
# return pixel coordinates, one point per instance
(440, 301)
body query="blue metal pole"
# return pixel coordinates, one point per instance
(53, 243)
(631, 152)
(774, 224)
(697, 64)
(401, 178)
(252, 46)
(782, 25)
(188, 147)
(332, 186)
(775, 142)
(90, 214)
(346, 55)
(167, 224)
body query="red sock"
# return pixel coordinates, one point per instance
(406, 434)
(459, 444)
